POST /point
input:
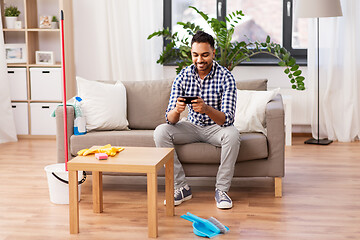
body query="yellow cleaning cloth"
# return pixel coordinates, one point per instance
(108, 149)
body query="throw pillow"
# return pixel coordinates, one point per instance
(250, 109)
(103, 104)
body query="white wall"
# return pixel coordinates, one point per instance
(301, 100)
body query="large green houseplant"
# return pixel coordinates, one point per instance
(230, 54)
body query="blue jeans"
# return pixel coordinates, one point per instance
(184, 132)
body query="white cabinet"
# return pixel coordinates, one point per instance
(17, 79)
(45, 84)
(20, 112)
(41, 121)
(32, 83)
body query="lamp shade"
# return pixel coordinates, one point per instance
(317, 8)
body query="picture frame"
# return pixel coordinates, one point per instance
(44, 57)
(18, 25)
(16, 53)
(45, 22)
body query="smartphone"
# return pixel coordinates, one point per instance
(188, 99)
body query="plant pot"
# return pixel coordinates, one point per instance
(54, 25)
(10, 22)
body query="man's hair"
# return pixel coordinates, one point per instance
(203, 37)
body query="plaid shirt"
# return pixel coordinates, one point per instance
(218, 90)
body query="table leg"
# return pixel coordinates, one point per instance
(169, 186)
(152, 205)
(73, 202)
(97, 188)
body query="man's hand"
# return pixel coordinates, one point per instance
(199, 105)
(174, 115)
(180, 105)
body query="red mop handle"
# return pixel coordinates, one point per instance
(64, 88)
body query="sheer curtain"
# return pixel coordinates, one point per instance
(339, 74)
(7, 124)
(111, 39)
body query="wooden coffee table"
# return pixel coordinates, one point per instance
(131, 160)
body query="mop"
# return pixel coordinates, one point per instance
(64, 90)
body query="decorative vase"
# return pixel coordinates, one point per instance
(54, 25)
(10, 22)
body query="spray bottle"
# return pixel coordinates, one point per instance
(79, 122)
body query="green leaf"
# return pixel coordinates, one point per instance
(292, 80)
(281, 63)
(295, 67)
(293, 86)
(297, 73)
(268, 39)
(242, 44)
(300, 78)
(291, 62)
(286, 71)
(183, 53)
(286, 56)
(200, 12)
(290, 76)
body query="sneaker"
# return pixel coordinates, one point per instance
(223, 201)
(181, 194)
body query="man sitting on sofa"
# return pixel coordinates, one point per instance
(210, 118)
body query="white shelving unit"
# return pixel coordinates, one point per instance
(36, 89)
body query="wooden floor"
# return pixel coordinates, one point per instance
(321, 199)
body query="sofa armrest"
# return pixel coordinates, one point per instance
(276, 135)
(59, 113)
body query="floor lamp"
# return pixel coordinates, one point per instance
(318, 9)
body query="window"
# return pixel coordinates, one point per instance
(262, 18)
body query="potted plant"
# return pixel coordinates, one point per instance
(11, 14)
(229, 54)
(54, 23)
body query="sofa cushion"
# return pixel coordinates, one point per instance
(258, 85)
(250, 109)
(103, 104)
(147, 102)
(253, 146)
(133, 138)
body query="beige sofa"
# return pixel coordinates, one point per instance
(259, 155)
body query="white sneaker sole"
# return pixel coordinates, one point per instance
(223, 205)
(176, 203)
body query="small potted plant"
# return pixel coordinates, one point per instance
(54, 23)
(11, 14)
